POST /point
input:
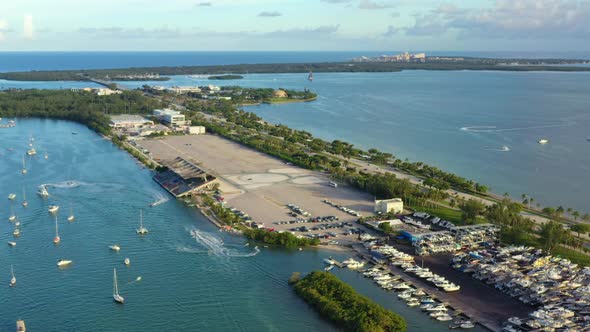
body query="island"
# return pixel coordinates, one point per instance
(364, 65)
(225, 77)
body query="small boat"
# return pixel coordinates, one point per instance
(53, 208)
(32, 151)
(56, 239)
(13, 278)
(11, 243)
(25, 203)
(12, 216)
(63, 262)
(43, 191)
(20, 326)
(116, 296)
(11, 196)
(127, 261)
(16, 232)
(444, 318)
(141, 230)
(74, 133)
(310, 76)
(46, 156)
(115, 247)
(328, 268)
(71, 217)
(24, 170)
(467, 325)
(543, 141)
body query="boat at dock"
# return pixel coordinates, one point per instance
(20, 326)
(116, 296)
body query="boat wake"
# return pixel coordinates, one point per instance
(159, 198)
(494, 129)
(504, 148)
(65, 184)
(217, 247)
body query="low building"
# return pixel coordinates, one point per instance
(179, 90)
(196, 130)
(280, 93)
(395, 205)
(184, 178)
(107, 92)
(129, 121)
(170, 117)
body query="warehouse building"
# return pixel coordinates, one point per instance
(395, 205)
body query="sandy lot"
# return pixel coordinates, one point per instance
(261, 185)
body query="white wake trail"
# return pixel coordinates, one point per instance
(216, 246)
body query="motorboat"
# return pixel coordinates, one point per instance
(20, 326)
(115, 247)
(11, 196)
(451, 288)
(127, 261)
(32, 151)
(63, 262)
(413, 303)
(116, 296)
(16, 232)
(53, 208)
(11, 243)
(444, 318)
(515, 320)
(467, 325)
(439, 307)
(353, 264)
(543, 141)
(43, 191)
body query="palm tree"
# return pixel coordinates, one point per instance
(576, 215)
(586, 217)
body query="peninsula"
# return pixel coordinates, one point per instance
(431, 63)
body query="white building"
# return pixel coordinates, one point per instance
(395, 205)
(129, 121)
(196, 130)
(170, 117)
(107, 92)
(179, 90)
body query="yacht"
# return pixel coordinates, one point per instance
(53, 208)
(444, 318)
(127, 261)
(13, 279)
(543, 141)
(451, 288)
(116, 296)
(11, 243)
(11, 196)
(63, 262)
(43, 191)
(141, 230)
(351, 263)
(56, 239)
(32, 151)
(115, 247)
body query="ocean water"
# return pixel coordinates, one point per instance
(211, 282)
(481, 125)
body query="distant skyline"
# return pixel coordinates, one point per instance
(295, 25)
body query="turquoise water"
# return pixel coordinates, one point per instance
(213, 284)
(460, 121)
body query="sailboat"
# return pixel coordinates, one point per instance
(12, 214)
(46, 156)
(25, 203)
(116, 296)
(24, 171)
(56, 239)
(16, 231)
(11, 196)
(141, 230)
(310, 76)
(71, 217)
(13, 279)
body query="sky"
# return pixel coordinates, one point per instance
(294, 25)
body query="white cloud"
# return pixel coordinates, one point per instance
(270, 14)
(3, 28)
(28, 27)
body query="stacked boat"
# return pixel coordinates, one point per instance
(424, 273)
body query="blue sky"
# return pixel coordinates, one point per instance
(462, 25)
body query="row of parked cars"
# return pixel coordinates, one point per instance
(342, 208)
(308, 220)
(296, 209)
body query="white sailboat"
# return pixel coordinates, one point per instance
(56, 239)
(116, 296)
(71, 217)
(46, 156)
(53, 208)
(13, 278)
(141, 230)
(25, 203)
(11, 196)
(16, 231)
(24, 170)
(12, 214)
(127, 261)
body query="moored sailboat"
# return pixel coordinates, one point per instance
(116, 296)
(25, 202)
(71, 217)
(13, 278)
(24, 170)
(141, 230)
(56, 239)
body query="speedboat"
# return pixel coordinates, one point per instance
(413, 303)
(115, 247)
(11, 243)
(439, 307)
(543, 141)
(11, 196)
(53, 208)
(63, 262)
(444, 318)
(127, 261)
